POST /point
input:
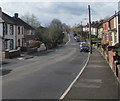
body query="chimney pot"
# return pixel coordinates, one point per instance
(16, 15)
(0, 12)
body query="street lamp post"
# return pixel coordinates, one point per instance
(90, 29)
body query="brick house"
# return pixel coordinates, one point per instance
(110, 37)
(105, 38)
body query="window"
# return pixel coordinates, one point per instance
(5, 29)
(11, 30)
(22, 30)
(22, 42)
(18, 42)
(106, 37)
(115, 34)
(5, 44)
(111, 37)
(18, 30)
(11, 44)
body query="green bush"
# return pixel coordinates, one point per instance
(117, 45)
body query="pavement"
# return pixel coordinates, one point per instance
(97, 82)
(24, 56)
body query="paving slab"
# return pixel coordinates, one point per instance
(97, 82)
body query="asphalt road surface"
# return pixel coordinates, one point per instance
(46, 76)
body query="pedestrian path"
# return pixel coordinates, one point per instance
(96, 82)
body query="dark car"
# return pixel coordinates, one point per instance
(84, 48)
(78, 39)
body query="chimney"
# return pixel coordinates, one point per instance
(119, 6)
(16, 15)
(0, 12)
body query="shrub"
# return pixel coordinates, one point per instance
(35, 43)
(117, 45)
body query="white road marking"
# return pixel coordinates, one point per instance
(68, 39)
(68, 89)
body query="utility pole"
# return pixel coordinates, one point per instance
(90, 38)
(81, 22)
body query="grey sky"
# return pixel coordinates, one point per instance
(70, 13)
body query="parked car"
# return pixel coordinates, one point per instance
(82, 43)
(77, 38)
(84, 47)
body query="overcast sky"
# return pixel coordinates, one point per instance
(70, 13)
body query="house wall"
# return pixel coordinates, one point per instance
(10, 36)
(112, 23)
(114, 36)
(15, 36)
(110, 29)
(106, 26)
(1, 35)
(106, 34)
(29, 36)
(1, 46)
(93, 31)
(85, 29)
(116, 26)
(111, 60)
(1, 29)
(20, 36)
(100, 31)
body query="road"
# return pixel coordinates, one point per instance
(46, 76)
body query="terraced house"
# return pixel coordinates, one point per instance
(8, 31)
(108, 30)
(110, 39)
(14, 32)
(25, 33)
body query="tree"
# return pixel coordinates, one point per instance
(56, 32)
(39, 33)
(31, 19)
(51, 35)
(66, 28)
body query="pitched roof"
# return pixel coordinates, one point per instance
(19, 21)
(13, 20)
(111, 17)
(6, 18)
(97, 24)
